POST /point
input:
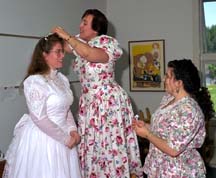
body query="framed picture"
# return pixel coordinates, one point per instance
(146, 60)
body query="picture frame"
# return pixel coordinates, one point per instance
(147, 65)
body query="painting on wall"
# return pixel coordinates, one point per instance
(147, 68)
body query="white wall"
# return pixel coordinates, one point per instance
(38, 17)
(34, 18)
(171, 20)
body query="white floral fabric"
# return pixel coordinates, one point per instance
(182, 125)
(109, 147)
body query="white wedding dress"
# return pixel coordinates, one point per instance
(38, 148)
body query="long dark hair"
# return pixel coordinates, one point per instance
(99, 21)
(38, 64)
(186, 71)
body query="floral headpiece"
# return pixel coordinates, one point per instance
(46, 37)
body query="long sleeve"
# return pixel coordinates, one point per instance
(70, 122)
(36, 93)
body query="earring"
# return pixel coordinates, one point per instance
(177, 90)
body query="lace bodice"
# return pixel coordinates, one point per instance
(48, 99)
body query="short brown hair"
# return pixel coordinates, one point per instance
(99, 21)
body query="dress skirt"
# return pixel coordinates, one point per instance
(33, 154)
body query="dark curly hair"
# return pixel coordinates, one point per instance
(99, 21)
(187, 72)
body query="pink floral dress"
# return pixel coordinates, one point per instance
(182, 125)
(109, 147)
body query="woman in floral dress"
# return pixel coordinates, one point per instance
(109, 147)
(177, 127)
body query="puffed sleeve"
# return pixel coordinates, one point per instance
(189, 123)
(109, 44)
(36, 93)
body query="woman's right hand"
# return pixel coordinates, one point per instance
(141, 128)
(138, 123)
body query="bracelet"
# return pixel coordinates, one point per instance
(74, 45)
(68, 38)
(149, 134)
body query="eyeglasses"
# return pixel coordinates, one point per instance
(58, 52)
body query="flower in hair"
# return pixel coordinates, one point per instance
(46, 37)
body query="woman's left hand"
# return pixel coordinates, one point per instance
(76, 136)
(61, 32)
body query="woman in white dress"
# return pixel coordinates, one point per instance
(44, 143)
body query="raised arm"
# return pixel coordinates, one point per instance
(100, 49)
(91, 54)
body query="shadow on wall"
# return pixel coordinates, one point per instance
(121, 65)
